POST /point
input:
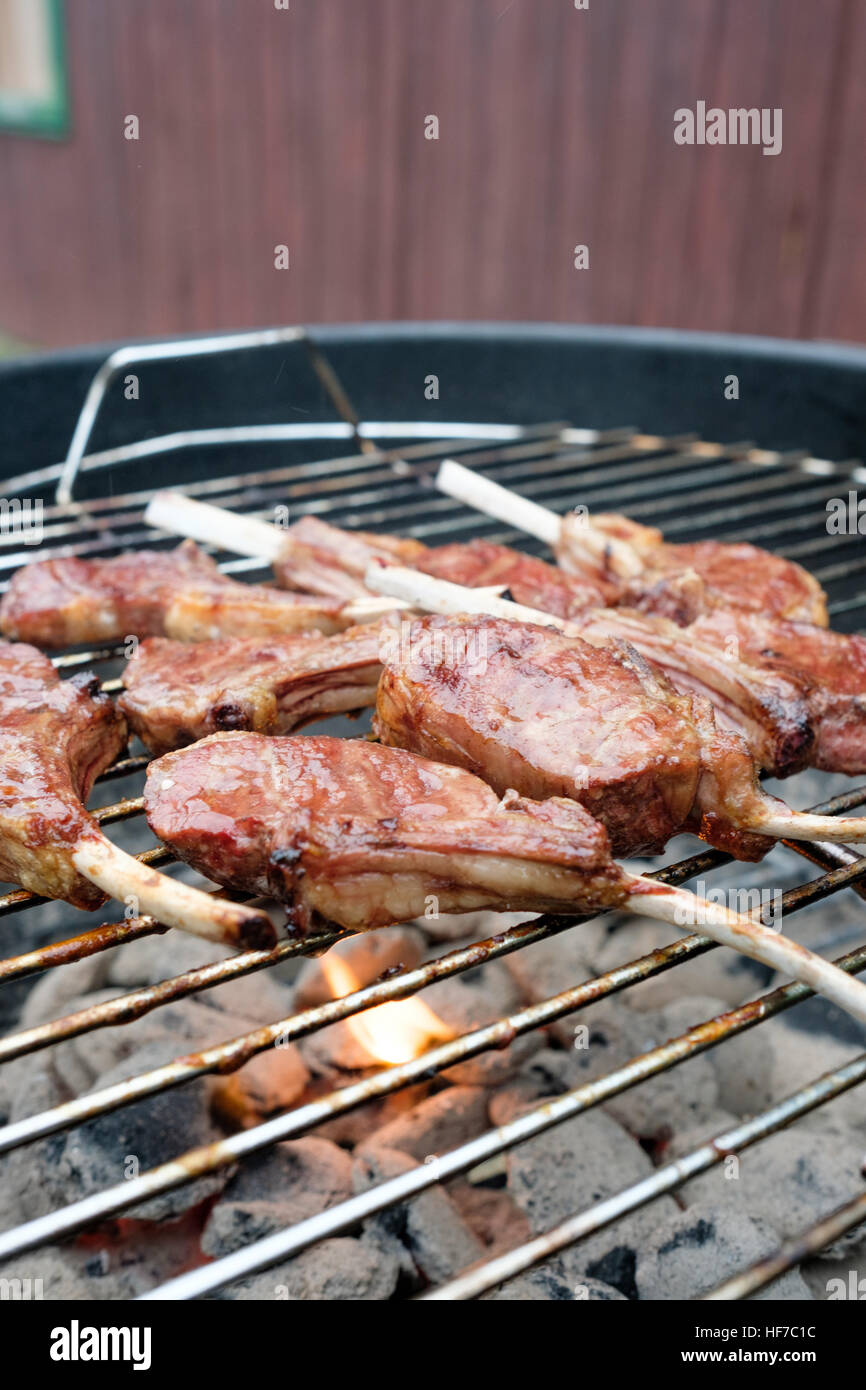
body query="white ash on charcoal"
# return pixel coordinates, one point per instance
(678, 1097)
(820, 1022)
(693, 1251)
(109, 1149)
(105, 1151)
(336, 1055)
(443, 1121)
(840, 1278)
(335, 1058)
(491, 1214)
(806, 1045)
(125, 1142)
(338, 1270)
(659, 1252)
(572, 1167)
(604, 1037)
(721, 973)
(258, 998)
(789, 1180)
(552, 1283)
(547, 1073)
(116, 1261)
(61, 1273)
(353, 1127)
(269, 1082)
(468, 926)
(427, 1232)
(286, 1184)
(558, 962)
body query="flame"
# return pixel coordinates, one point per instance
(391, 1033)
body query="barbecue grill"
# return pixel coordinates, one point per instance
(347, 424)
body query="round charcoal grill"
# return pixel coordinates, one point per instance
(731, 438)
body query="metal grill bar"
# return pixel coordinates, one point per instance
(684, 484)
(228, 1056)
(461, 437)
(667, 1179)
(198, 1162)
(343, 1216)
(659, 459)
(100, 938)
(822, 1234)
(667, 471)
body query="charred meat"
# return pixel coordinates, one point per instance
(55, 739)
(178, 593)
(176, 693)
(552, 715)
(683, 581)
(366, 836)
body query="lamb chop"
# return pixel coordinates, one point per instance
(176, 693)
(829, 666)
(324, 559)
(364, 836)
(315, 557)
(836, 665)
(551, 715)
(677, 581)
(767, 705)
(55, 738)
(179, 593)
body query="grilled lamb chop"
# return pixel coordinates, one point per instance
(677, 581)
(770, 706)
(320, 559)
(323, 559)
(55, 738)
(551, 715)
(681, 582)
(179, 593)
(809, 709)
(766, 704)
(177, 693)
(365, 836)
(836, 667)
(794, 691)
(362, 835)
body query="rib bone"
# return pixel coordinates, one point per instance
(363, 835)
(679, 581)
(55, 738)
(739, 800)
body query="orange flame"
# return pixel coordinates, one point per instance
(391, 1033)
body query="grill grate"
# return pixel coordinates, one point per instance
(685, 485)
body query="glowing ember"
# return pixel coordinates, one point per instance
(393, 1032)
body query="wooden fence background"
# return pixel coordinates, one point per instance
(304, 126)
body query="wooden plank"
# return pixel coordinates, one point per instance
(306, 127)
(836, 304)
